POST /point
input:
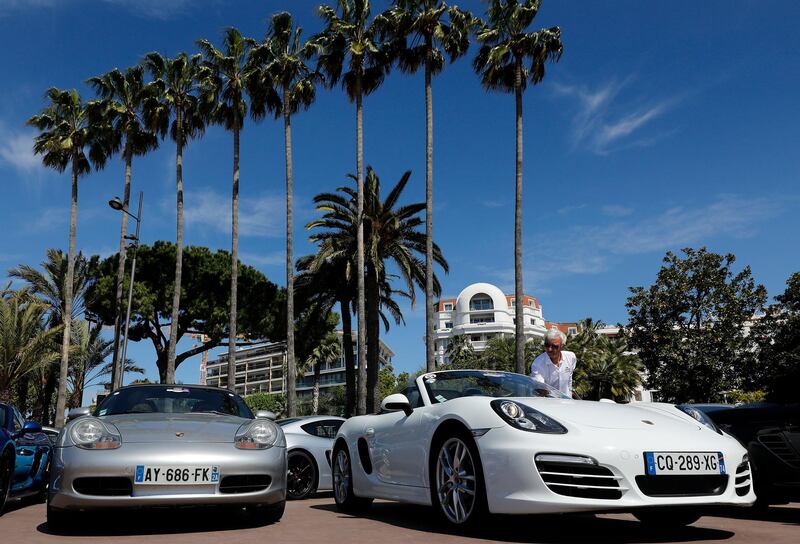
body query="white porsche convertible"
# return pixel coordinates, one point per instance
(469, 442)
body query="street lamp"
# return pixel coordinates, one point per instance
(119, 363)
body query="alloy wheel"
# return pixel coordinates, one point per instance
(456, 484)
(301, 476)
(341, 476)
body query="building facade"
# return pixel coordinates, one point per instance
(260, 369)
(480, 312)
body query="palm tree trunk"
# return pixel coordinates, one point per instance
(519, 353)
(116, 374)
(234, 258)
(349, 366)
(169, 375)
(373, 340)
(430, 361)
(47, 394)
(362, 329)
(61, 400)
(315, 394)
(291, 369)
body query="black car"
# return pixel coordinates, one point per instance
(771, 434)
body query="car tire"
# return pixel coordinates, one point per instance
(665, 519)
(301, 480)
(6, 471)
(268, 513)
(458, 491)
(58, 519)
(342, 476)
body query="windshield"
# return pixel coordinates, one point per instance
(448, 385)
(173, 399)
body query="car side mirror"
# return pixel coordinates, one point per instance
(396, 402)
(266, 414)
(78, 412)
(31, 427)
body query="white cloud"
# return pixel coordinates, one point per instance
(155, 9)
(274, 258)
(615, 210)
(493, 203)
(16, 149)
(264, 216)
(601, 125)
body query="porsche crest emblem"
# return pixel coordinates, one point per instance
(179, 435)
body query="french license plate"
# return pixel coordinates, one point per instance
(672, 462)
(176, 475)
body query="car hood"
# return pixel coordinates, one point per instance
(606, 415)
(178, 428)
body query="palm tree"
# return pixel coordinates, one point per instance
(460, 353)
(608, 370)
(433, 29)
(49, 285)
(349, 43)
(66, 132)
(26, 344)
(230, 73)
(507, 46)
(177, 82)
(500, 353)
(327, 352)
(391, 235)
(90, 351)
(285, 66)
(123, 98)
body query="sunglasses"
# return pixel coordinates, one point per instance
(552, 346)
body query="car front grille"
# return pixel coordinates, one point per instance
(775, 442)
(743, 479)
(244, 483)
(680, 485)
(584, 481)
(104, 486)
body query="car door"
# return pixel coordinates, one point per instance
(397, 444)
(25, 451)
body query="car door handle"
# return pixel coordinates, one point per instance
(370, 432)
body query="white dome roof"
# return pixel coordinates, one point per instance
(499, 301)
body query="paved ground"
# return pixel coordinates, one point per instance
(317, 520)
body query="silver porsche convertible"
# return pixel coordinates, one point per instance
(168, 445)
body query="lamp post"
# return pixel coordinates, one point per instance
(119, 367)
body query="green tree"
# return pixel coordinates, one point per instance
(777, 336)
(506, 48)
(26, 344)
(180, 111)
(500, 351)
(121, 107)
(66, 133)
(287, 69)
(427, 30)
(230, 73)
(327, 352)
(89, 352)
(206, 285)
(275, 403)
(348, 49)
(391, 236)
(460, 353)
(688, 327)
(606, 369)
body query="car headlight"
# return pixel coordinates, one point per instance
(92, 434)
(526, 418)
(698, 416)
(257, 435)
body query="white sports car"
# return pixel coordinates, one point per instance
(469, 442)
(309, 441)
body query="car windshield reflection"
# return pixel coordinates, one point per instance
(448, 385)
(173, 400)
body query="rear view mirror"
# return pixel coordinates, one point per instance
(266, 414)
(31, 427)
(396, 402)
(78, 412)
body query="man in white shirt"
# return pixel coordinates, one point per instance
(556, 365)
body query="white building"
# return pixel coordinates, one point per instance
(480, 312)
(260, 369)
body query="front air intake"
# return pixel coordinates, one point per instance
(244, 483)
(580, 480)
(104, 486)
(680, 485)
(743, 479)
(775, 442)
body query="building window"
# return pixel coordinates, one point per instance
(448, 325)
(448, 307)
(481, 318)
(475, 338)
(572, 330)
(481, 302)
(533, 322)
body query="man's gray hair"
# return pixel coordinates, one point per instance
(554, 333)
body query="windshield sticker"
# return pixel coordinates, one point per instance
(429, 378)
(441, 398)
(493, 374)
(102, 412)
(177, 390)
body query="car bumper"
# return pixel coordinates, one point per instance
(72, 463)
(514, 484)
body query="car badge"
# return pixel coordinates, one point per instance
(648, 422)
(179, 434)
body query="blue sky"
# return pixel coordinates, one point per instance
(664, 125)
